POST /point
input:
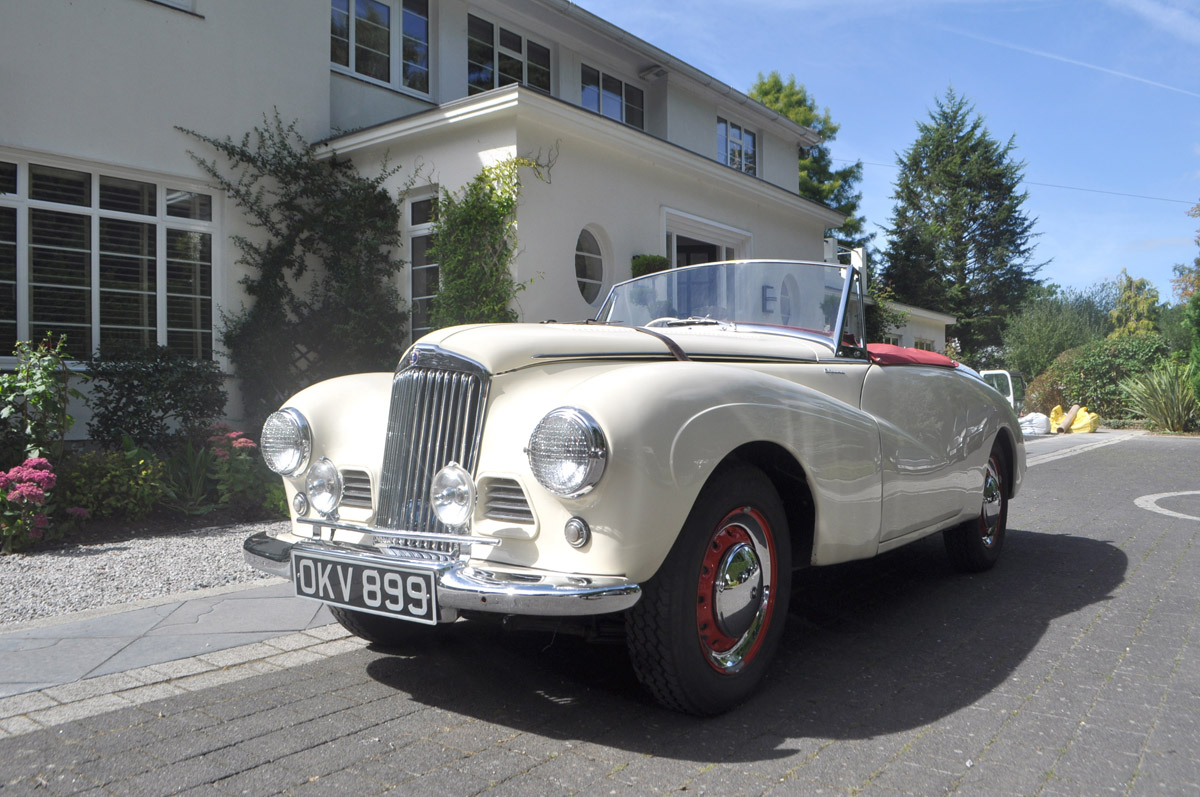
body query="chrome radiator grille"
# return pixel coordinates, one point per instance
(436, 417)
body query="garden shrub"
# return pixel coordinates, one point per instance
(151, 395)
(33, 402)
(187, 479)
(649, 264)
(116, 485)
(1091, 375)
(1164, 397)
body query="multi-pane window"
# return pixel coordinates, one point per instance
(923, 343)
(589, 266)
(737, 146)
(497, 56)
(612, 97)
(103, 260)
(423, 271)
(365, 37)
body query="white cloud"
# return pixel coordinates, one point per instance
(1177, 17)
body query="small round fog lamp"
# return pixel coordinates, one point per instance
(324, 486)
(453, 495)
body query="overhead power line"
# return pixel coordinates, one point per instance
(1050, 185)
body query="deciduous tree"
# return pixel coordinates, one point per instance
(818, 179)
(1137, 309)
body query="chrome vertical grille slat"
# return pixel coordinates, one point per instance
(436, 417)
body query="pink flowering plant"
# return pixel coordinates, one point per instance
(242, 480)
(25, 504)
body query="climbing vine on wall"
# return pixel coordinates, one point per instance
(474, 243)
(320, 270)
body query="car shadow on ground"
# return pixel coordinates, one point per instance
(871, 648)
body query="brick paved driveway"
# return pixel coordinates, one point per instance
(1072, 668)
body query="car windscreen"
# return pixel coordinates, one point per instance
(797, 297)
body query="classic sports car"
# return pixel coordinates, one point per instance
(666, 466)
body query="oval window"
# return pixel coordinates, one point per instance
(589, 266)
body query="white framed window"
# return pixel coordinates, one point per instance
(612, 97)
(589, 266)
(737, 147)
(497, 56)
(893, 340)
(104, 258)
(923, 343)
(386, 41)
(423, 271)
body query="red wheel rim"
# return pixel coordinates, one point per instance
(735, 592)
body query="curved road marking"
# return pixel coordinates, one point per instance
(1150, 502)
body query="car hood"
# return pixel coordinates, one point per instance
(507, 347)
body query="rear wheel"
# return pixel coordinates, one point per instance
(706, 628)
(975, 545)
(377, 629)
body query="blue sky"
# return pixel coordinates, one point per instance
(1102, 96)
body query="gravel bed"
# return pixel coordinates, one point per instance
(70, 579)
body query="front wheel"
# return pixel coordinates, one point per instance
(975, 545)
(706, 628)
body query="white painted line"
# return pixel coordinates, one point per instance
(1151, 502)
(1104, 440)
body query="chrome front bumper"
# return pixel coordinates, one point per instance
(462, 586)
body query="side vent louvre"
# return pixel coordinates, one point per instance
(357, 489)
(504, 500)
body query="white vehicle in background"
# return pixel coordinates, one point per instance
(1009, 384)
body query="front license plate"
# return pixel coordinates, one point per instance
(407, 594)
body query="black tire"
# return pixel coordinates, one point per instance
(697, 649)
(975, 545)
(386, 632)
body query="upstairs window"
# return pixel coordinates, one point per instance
(497, 56)
(737, 147)
(610, 96)
(365, 39)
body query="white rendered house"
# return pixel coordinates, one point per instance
(109, 231)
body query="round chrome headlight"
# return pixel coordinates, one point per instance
(452, 494)
(286, 441)
(324, 486)
(567, 452)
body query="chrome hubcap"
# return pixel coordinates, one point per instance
(735, 596)
(993, 504)
(738, 587)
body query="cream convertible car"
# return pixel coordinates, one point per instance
(667, 465)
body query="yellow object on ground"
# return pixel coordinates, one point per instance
(1081, 422)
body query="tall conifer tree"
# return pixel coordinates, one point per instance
(959, 241)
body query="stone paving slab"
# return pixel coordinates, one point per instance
(57, 651)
